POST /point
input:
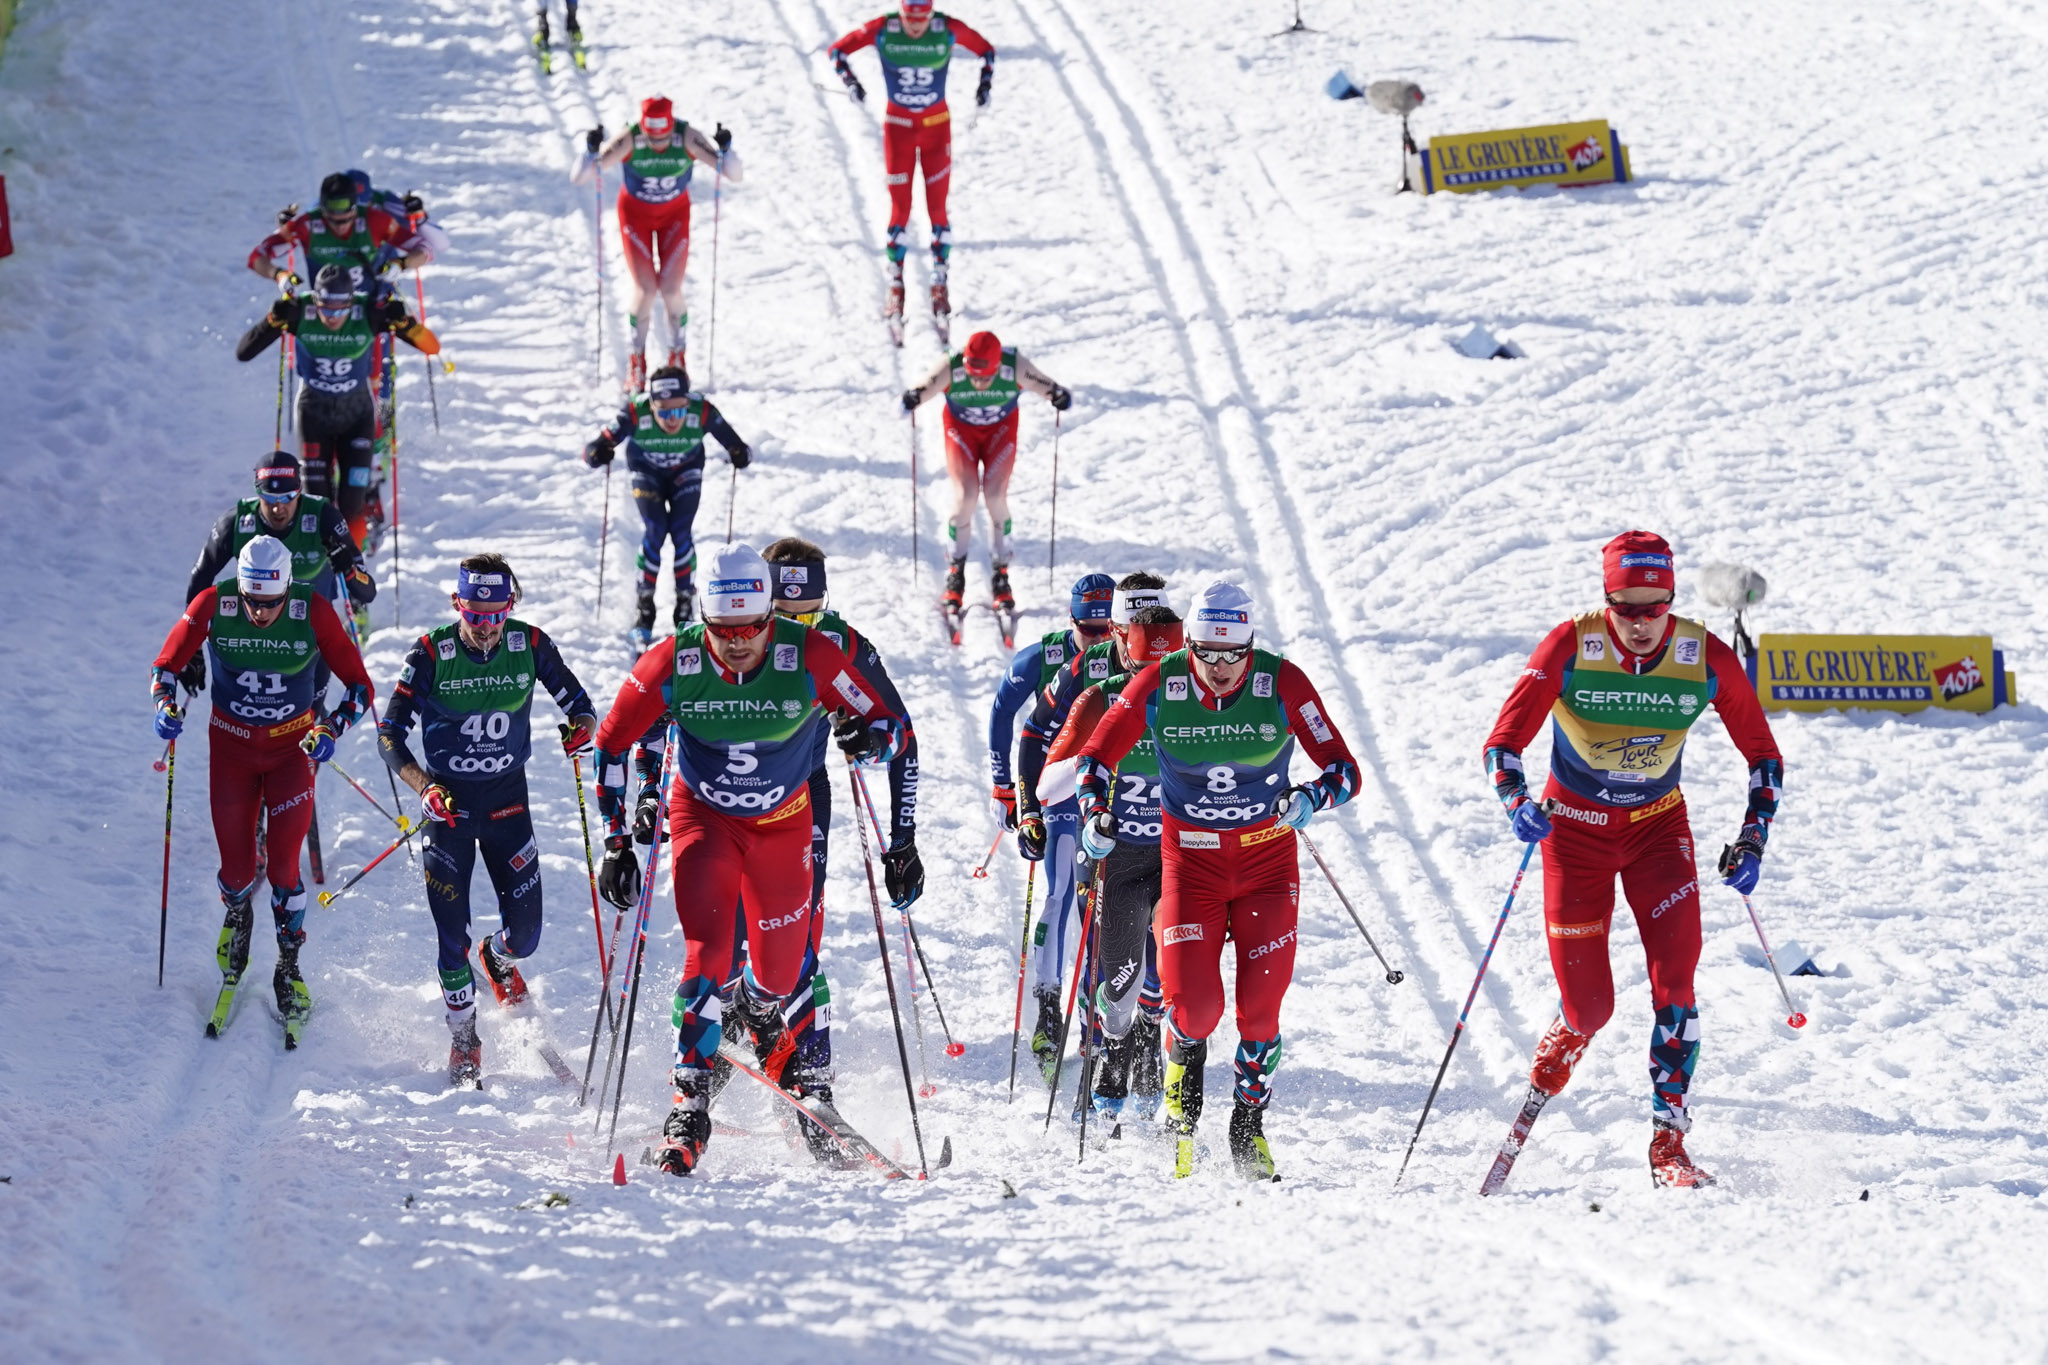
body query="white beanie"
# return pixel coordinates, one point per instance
(264, 568)
(1127, 602)
(1222, 616)
(735, 582)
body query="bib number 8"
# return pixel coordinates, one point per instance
(486, 725)
(1222, 778)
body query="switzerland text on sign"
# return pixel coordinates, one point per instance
(1880, 672)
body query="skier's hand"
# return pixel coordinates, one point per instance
(287, 312)
(723, 137)
(855, 89)
(1529, 822)
(911, 398)
(1098, 835)
(192, 677)
(982, 91)
(438, 803)
(415, 207)
(903, 873)
(1002, 804)
(647, 815)
(618, 878)
(599, 453)
(1031, 837)
(577, 734)
(594, 139)
(1742, 863)
(740, 458)
(1297, 805)
(318, 744)
(362, 589)
(1060, 399)
(170, 721)
(868, 744)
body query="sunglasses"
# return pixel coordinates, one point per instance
(339, 309)
(276, 499)
(739, 630)
(262, 603)
(484, 618)
(675, 414)
(1639, 611)
(1092, 630)
(1212, 655)
(805, 618)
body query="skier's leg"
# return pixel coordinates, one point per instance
(352, 479)
(1661, 882)
(708, 855)
(963, 467)
(1263, 919)
(935, 154)
(776, 888)
(808, 1011)
(899, 157)
(637, 226)
(650, 498)
(447, 861)
(686, 492)
(1129, 885)
(288, 793)
(234, 790)
(1050, 941)
(1578, 903)
(1193, 908)
(999, 457)
(505, 838)
(672, 244)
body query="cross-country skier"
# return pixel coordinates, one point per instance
(656, 157)
(1128, 1003)
(663, 430)
(1223, 717)
(266, 632)
(348, 232)
(748, 692)
(337, 366)
(1051, 831)
(541, 37)
(469, 684)
(915, 46)
(1622, 686)
(310, 527)
(982, 384)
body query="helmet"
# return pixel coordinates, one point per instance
(657, 116)
(1091, 597)
(1222, 616)
(735, 582)
(983, 356)
(264, 568)
(278, 474)
(334, 283)
(338, 194)
(670, 383)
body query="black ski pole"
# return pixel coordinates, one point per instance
(604, 536)
(420, 292)
(1052, 546)
(638, 950)
(1091, 1022)
(888, 976)
(1023, 957)
(163, 913)
(953, 1049)
(1059, 1068)
(1394, 978)
(1473, 994)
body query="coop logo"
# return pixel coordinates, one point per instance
(1958, 678)
(1181, 933)
(1584, 156)
(1234, 814)
(463, 763)
(767, 800)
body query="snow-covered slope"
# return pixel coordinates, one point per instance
(1809, 338)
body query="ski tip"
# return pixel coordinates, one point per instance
(212, 1029)
(619, 1169)
(945, 1155)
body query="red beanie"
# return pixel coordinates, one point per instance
(984, 354)
(1637, 559)
(657, 116)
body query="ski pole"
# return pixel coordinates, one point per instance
(888, 977)
(604, 536)
(420, 292)
(629, 993)
(1073, 990)
(1052, 545)
(163, 912)
(1394, 978)
(163, 760)
(1091, 1026)
(1023, 956)
(399, 820)
(711, 345)
(914, 565)
(1527, 851)
(392, 777)
(931, 987)
(590, 866)
(980, 872)
(597, 244)
(284, 346)
(611, 1140)
(330, 897)
(397, 587)
(1792, 1015)
(732, 496)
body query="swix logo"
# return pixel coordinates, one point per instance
(1583, 156)
(1123, 975)
(1181, 933)
(1275, 946)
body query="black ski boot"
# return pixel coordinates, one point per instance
(686, 606)
(502, 972)
(1045, 1036)
(233, 955)
(817, 1141)
(1112, 1082)
(687, 1130)
(999, 588)
(1184, 1063)
(642, 633)
(294, 1001)
(956, 584)
(773, 1044)
(1248, 1143)
(465, 1052)
(1147, 1082)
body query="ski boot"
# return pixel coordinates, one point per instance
(773, 1044)
(465, 1052)
(687, 1130)
(233, 956)
(1113, 1082)
(999, 588)
(642, 633)
(1248, 1143)
(942, 305)
(956, 584)
(686, 606)
(1669, 1164)
(1184, 1100)
(1556, 1055)
(677, 358)
(893, 310)
(636, 373)
(817, 1141)
(1146, 1065)
(1045, 1036)
(503, 972)
(294, 1001)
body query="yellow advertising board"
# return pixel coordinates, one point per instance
(1588, 153)
(1880, 672)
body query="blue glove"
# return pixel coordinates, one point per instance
(1297, 805)
(318, 744)
(1530, 824)
(1742, 862)
(1098, 836)
(170, 722)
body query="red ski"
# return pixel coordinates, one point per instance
(1504, 1162)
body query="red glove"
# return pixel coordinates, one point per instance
(438, 803)
(1002, 804)
(578, 734)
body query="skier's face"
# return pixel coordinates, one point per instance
(340, 224)
(915, 22)
(262, 612)
(1220, 676)
(980, 381)
(1640, 635)
(734, 645)
(278, 513)
(478, 629)
(670, 420)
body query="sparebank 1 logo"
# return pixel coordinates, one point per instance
(1958, 678)
(1585, 155)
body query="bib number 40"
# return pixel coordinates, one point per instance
(482, 725)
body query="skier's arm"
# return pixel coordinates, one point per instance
(1039, 728)
(934, 384)
(841, 687)
(1310, 721)
(345, 558)
(393, 730)
(1034, 380)
(1119, 731)
(215, 555)
(1018, 686)
(605, 444)
(390, 316)
(272, 257)
(1523, 713)
(981, 47)
(396, 236)
(715, 425)
(702, 148)
(345, 661)
(186, 637)
(641, 702)
(551, 671)
(283, 317)
(844, 47)
(903, 767)
(1734, 697)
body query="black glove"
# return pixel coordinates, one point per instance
(389, 314)
(646, 815)
(903, 873)
(981, 91)
(599, 453)
(723, 137)
(740, 458)
(855, 737)
(1031, 836)
(415, 204)
(192, 677)
(1061, 399)
(594, 139)
(618, 879)
(287, 313)
(362, 589)
(856, 89)
(911, 398)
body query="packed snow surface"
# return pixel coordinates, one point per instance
(1808, 338)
